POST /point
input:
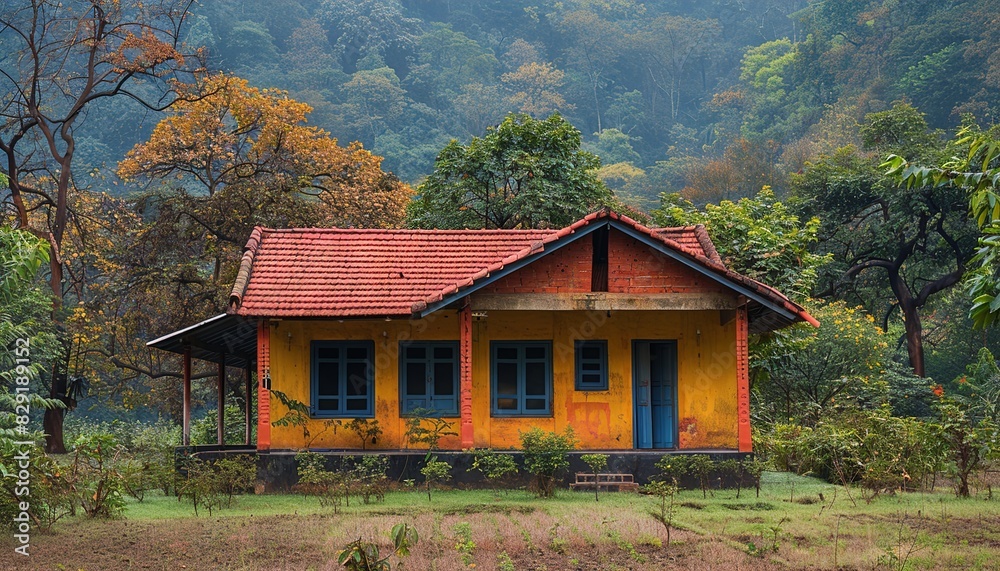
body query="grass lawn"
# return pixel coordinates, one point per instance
(796, 523)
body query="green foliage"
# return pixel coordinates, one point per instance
(360, 555)
(297, 414)
(805, 372)
(975, 168)
(879, 451)
(205, 429)
(666, 492)
(546, 454)
(418, 433)
(524, 173)
(494, 467)
(596, 462)
(434, 472)
(95, 477)
(463, 542)
(214, 485)
(370, 477)
(758, 237)
(331, 487)
(970, 444)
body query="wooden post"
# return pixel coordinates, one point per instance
(186, 422)
(263, 386)
(221, 421)
(465, 375)
(743, 378)
(249, 416)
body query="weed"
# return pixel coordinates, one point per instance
(667, 494)
(368, 430)
(360, 555)
(557, 543)
(504, 562)
(435, 471)
(463, 542)
(417, 433)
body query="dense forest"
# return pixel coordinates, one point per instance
(142, 141)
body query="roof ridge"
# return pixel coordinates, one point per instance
(246, 268)
(706, 243)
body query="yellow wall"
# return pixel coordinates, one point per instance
(706, 412)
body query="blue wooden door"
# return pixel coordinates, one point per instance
(654, 375)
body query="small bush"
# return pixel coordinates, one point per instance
(369, 478)
(494, 467)
(368, 430)
(435, 471)
(98, 483)
(546, 454)
(331, 487)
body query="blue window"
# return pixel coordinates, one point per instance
(591, 365)
(343, 378)
(428, 377)
(522, 378)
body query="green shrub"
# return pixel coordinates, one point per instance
(98, 483)
(494, 467)
(546, 454)
(596, 462)
(369, 478)
(435, 471)
(330, 486)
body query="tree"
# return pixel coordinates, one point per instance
(758, 237)
(917, 241)
(230, 159)
(534, 89)
(524, 173)
(594, 44)
(669, 47)
(974, 168)
(63, 58)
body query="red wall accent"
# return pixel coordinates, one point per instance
(634, 267)
(465, 376)
(566, 270)
(743, 379)
(263, 386)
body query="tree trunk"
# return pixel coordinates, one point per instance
(52, 424)
(914, 336)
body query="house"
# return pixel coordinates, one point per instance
(636, 337)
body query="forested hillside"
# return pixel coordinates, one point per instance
(142, 141)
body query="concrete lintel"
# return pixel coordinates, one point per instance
(602, 301)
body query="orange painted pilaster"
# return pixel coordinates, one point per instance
(743, 379)
(465, 375)
(263, 386)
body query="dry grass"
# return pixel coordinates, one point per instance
(797, 523)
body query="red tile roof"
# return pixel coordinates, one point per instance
(393, 273)
(352, 273)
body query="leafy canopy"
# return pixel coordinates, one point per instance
(524, 173)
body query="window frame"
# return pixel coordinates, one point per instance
(579, 361)
(429, 362)
(521, 396)
(342, 378)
